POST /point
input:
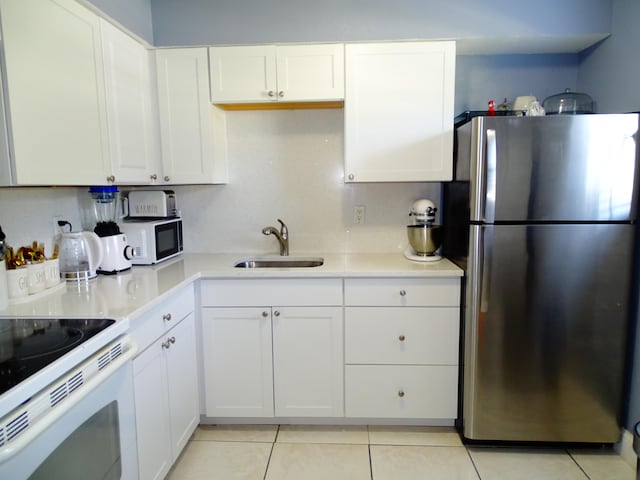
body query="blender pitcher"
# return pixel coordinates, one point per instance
(105, 209)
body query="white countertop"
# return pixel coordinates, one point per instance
(131, 293)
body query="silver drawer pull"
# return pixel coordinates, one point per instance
(403, 293)
(166, 317)
(401, 338)
(166, 344)
(401, 393)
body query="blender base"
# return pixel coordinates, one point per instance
(410, 254)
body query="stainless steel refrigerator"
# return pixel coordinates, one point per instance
(541, 216)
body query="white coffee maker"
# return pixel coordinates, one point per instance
(105, 205)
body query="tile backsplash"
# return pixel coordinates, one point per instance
(284, 164)
(288, 164)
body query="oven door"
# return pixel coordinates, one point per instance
(90, 435)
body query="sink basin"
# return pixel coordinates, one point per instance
(280, 262)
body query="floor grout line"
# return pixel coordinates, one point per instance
(475, 467)
(273, 445)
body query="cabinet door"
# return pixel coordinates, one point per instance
(399, 112)
(182, 374)
(308, 361)
(192, 131)
(132, 132)
(238, 373)
(55, 88)
(152, 413)
(243, 74)
(310, 72)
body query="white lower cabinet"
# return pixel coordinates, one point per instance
(401, 347)
(266, 361)
(238, 362)
(165, 383)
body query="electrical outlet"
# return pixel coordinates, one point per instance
(54, 223)
(359, 212)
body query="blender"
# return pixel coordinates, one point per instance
(105, 201)
(424, 237)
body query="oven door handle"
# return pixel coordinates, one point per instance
(41, 424)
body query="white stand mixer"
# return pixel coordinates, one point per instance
(424, 237)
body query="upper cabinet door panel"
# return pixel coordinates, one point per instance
(310, 72)
(270, 73)
(55, 89)
(243, 74)
(193, 132)
(399, 111)
(132, 129)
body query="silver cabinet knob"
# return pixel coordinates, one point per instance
(276, 313)
(281, 94)
(167, 178)
(265, 314)
(166, 345)
(401, 393)
(351, 176)
(172, 339)
(271, 93)
(403, 293)
(401, 338)
(111, 178)
(166, 317)
(153, 177)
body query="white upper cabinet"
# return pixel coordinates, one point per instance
(270, 73)
(133, 135)
(55, 90)
(399, 100)
(192, 131)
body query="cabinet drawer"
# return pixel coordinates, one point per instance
(401, 391)
(412, 335)
(401, 292)
(151, 325)
(259, 292)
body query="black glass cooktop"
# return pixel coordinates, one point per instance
(30, 344)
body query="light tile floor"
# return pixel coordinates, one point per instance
(302, 452)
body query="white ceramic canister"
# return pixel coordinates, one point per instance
(51, 272)
(18, 282)
(35, 276)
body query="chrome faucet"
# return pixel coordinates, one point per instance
(282, 236)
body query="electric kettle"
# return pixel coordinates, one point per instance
(80, 253)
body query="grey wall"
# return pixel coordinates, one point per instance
(135, 15)
(611, 71)
(203, 22)
(483, 77)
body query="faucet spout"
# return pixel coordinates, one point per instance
(282, 236)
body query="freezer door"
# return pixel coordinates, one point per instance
(546, 318)
(556, 168)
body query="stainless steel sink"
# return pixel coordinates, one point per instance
(280, 262)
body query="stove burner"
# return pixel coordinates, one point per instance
(28, 345)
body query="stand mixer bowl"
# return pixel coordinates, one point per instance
(425, 239)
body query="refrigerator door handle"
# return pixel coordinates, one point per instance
(490, 185)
